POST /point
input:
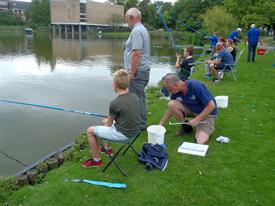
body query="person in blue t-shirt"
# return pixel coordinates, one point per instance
(253, 37)
(190, 98)
(234, 36)
(223, 57)
(214, 40)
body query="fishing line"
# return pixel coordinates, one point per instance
(12, 158)
(190, 27)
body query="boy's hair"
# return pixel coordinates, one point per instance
(121, 79)
(189, 49)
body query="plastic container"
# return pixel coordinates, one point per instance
(222, 101)
(156, 134)
(261, 51)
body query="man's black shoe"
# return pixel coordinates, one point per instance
(185, 129)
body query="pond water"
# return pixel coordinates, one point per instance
(66, 73)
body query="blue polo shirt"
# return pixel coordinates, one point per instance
(225, 56)
(197, 97)
(253, 36)
(214, 40)
(232, 35)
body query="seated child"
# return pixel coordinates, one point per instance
(123, 120)
(186, 65)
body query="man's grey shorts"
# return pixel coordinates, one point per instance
(208, 122)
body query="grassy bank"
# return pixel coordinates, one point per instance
(123, 35)
(239, 173)
(189, 37)
(22, 29)
(12, 28)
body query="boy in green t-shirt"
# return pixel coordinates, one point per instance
(123, 120)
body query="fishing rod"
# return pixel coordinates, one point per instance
(99, 183)
(194, 63)
(164, 22)
(186, 123)
(54, 108)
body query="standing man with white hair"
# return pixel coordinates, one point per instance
(137, 56)
(253, 37)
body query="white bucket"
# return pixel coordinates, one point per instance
(222, 101)
(156, 134)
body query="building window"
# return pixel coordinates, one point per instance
(83, 8)
(83, 12)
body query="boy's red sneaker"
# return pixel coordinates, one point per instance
(92, 163)
(109, 151)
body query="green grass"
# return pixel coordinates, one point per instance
(239, 173)
(12, 28)
(122, 35)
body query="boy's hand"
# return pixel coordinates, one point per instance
(105, 121)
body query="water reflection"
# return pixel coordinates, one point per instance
(66, 73)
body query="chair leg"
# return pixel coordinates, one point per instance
(130, 145)
(112, 159)
(221, 73)
(233, 73)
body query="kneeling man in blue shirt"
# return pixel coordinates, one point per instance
(191, 98)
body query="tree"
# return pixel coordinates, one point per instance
(149, 14)
(8, 18)
(116, 21)
(38, 13)
(190, 11)
(260, 12)
(217, 19)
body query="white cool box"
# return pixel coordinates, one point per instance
(222, 101)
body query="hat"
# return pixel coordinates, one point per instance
(239, 29)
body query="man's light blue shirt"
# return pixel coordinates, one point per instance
(139, 39)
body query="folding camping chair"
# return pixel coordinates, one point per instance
(228, 68)
(231, 67)
(129, 143)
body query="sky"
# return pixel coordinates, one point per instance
(105, 0)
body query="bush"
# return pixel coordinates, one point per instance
(9, 18)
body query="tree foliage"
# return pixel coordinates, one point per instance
(38, 13)
(190, 11)
(218, 20)
(116, 21)
(260, 12)
(8, 18)
(126, 3)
